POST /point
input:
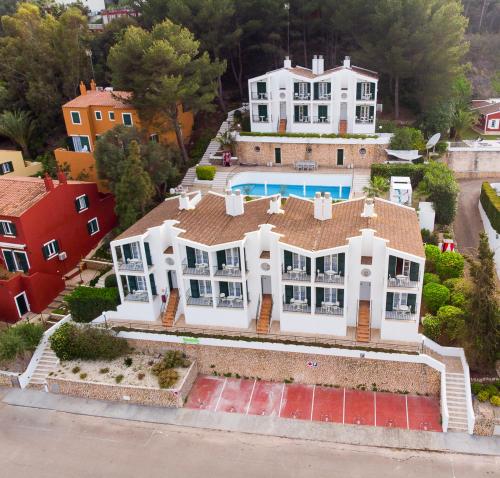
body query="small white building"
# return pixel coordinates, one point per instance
(401, 190)
(301, 100)
(214, 260)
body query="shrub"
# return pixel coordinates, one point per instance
(452, 321)
(451, 283)
(141, 375)
(407, 138)
(171, 359)
(476, 387)
(429, 237)
(167, 378)
(71, 342)
(432, 327)
(206, 173)
(414, 171)
(495, 400)
(110, 281)
(83, 376)
(432, 254)
(127, 361)
(119, 378)
(20, 338)
(430, 277)
(491, 205)
(75, 369)
(491, 389)
(435, 296)
(104, 370)
(87, 303)
(483, 396)
(458, 299)
(450, 265)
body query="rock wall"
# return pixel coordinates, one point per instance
(9, 380)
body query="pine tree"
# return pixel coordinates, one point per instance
(134, 191)
(483, 322)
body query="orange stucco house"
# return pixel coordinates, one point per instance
(93, 113)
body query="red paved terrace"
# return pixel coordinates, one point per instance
(312, 402)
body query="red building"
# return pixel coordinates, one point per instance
(488, 112)
(46, 228)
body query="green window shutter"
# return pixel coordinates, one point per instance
(372, 90)
(85, 142)
(263, 110)
(77, 205)
(372, 112)
(296, 114)
(320, 296)
(56, 246)
(322, 111)
(329, 88)
(414, 269)
(288, 260)
(127, 251)
(9, 261)
(358, 112)
(316, 91)
(358, 93)
(305, 109)
(45, 252)
(224, 288)
(389, 301)
(392, 266)
(87, 202)
(320, 264)
(22, 261)
(308, 266)
(13, 229)
(340, 297)
(89, 228)
(149, 262)
(308, 295)
(412, 302)
(288, 293)
(152, 283)
(341, 260)
(261, 87)
(221, 259)
(195, 289)
(132, 283)
(309, 88)
(296, 88)
(191, 257)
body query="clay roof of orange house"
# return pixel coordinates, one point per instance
(307, 73)
(209, 224)
(115, 99)
(18, 194)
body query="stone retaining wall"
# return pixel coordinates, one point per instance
(173, 398)
(474, 164)
(9, 380)
(96, 265)
(305, 368)
(487, 418)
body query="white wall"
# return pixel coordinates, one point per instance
(493, 237)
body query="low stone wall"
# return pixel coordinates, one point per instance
(305, 368)
(469, 164)
(487, 418)
(97, 265)
(172, 397)
(8, 379)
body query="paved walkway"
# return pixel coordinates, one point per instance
(269, 426)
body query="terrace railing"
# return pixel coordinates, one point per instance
(297, 307)
(329, 278)
(400, 315)
(197, 270)
(404, 282)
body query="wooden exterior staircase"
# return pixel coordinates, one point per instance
(282, 126)
(363, 328)
(264, 318)
(343, 127)
(171, 310)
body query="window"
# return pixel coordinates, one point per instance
(364, 113)
(493, 124)
(301, 114)
(135, 252)
(330, 295)
(75, 117)
(127, 119)
(234, 289)
(201, 257)
(332, 263)
(365, 91)
(50, 249)
(323, 90)
(155, 138)
(111, 116)
(399, 299)
(136, 283)
(205, 287)
(6, 167)
(299, 292)
(232, 257)
(303, 90)
(298, 261)
(98, 115)
(16, 261)
(93, 226)
(7, 228)
(82, 203)
(81, 144)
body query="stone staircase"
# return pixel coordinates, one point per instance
(343, 127)
(264, 319)
(361, 178)
(282, 126)
(457, 405)
(168, 318)
(48, 363)
(363, 328)
(220, 181)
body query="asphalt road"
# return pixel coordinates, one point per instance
(43, 443)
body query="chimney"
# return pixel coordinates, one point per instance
(49, 184)
(234, 203)
(322, 206)
(369, 208)
(315, 65)
(287, 63)
(347, 62)
(184, 202)
(83, 88)
(93, 86)
(61, 177)
(319, 66)
(327, 206)
(275, 206)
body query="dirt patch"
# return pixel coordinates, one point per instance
(18, 364)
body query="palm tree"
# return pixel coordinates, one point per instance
(462, 121)
(378, 187)
(18, 126)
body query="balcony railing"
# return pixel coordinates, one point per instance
(302, 96)
(296, 275)
(321, 119)
(301, 308)
(400, 315)
(131, 265)
(228, 271)
(366, 97)
(200, 269)
(260, 95)
(302, 119)
(230, 302)
(401, 281)
(202, 300)
(364, 120)
(261, 118)
(329, 277)
(330, 310)
(325, 97)
(137, 296)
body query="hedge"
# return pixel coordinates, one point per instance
(435, 296)
(309, 135)
(491, 205)
(205, 173)
(110, 281)
(414, 171)
(87, 303)
(450, 265)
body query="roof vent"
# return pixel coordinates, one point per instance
(347, 62)
(184, 202)
(369, 208)
(322, 206)
(275, 206)
(287, 63)
(234, 202)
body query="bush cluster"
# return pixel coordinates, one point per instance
(450, 265)
(87, 303)
(110, 281)
(430, 277)
(309, 135)
(435, 296)
(487, 391)
(18, 339)
(491, 205)
(429, 237)
(414, 171)
(205, 173)
(71, 342)
(164, 369)
(407, 138)
(432, 254)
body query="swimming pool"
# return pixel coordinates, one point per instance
(297, 184)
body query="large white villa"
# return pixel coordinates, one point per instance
(302, 100)
(310, 265)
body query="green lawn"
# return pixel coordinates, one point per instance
(471, 134)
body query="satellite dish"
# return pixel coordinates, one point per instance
(433, 141)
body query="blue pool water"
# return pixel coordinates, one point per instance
(337, 192)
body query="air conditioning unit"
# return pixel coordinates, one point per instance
(62, 256)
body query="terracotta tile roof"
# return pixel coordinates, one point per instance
(18, 194)
(100, 98)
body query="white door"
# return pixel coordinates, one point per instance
(364, 290)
